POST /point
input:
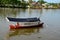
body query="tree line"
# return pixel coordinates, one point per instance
(13, 3)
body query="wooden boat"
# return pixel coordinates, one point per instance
(25, 22)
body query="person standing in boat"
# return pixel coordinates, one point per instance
(38, 21)
(17, 24)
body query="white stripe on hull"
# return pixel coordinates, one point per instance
(29, 23)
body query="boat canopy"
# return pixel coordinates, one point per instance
(23, 19)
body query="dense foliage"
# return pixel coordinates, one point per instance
(42, 1)
(13, 3)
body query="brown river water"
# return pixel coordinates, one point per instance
(49, 31)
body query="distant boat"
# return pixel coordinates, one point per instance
(25, 22)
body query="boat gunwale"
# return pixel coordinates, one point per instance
(23, 19)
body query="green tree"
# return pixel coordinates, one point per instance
(13, 2)
(42, 1)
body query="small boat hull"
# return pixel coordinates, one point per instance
(25, 22)
(17, 27)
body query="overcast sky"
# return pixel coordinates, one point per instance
(50, 1)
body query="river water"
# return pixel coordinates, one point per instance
(49, 31)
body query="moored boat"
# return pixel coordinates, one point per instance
(25, 22)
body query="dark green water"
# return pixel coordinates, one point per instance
(50, 30)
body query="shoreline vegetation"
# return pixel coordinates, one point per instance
(28, 4)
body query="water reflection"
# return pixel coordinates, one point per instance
(15, 12)
(24, 31)
(4, 12)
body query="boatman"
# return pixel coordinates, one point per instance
(17, 25)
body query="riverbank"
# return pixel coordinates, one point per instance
(27, 7)
(12, 7)
(51, 8)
